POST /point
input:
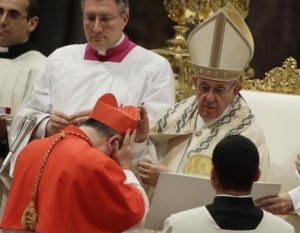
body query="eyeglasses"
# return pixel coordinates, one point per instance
(218, 91)
(12, 14)
(104, 20)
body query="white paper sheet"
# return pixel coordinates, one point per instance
(178, 192)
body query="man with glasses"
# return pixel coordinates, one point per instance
(76, 75)
(19, 62)
(220, 49)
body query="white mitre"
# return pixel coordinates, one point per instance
(222, 46)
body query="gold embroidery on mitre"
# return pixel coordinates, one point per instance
(198, 165)
(216, 73)
(30, 217)
(217, 42)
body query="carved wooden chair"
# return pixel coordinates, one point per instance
(275, 101)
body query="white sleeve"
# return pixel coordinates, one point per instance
(167, 226)
(132, 180)
(39, 104)
(159, 94)
(295, 195)
(41, 128)
(144, 150)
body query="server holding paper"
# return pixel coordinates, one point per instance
(235, 168)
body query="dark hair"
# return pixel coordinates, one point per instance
(33, 8)
(100, 127)
(236, 163)
(123, 5)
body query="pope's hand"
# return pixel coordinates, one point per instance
(143, 126)
(149, 172)
(58, 121)
(281, 204)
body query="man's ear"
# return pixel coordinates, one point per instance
(213, 177)
(112, 142)
(33, 22)
(257, 175)
(237, 89)
(125, 18)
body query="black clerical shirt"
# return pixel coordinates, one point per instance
(233, 213)
(17, 50)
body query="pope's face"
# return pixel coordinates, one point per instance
(15, 27)
(214, 97)
(103, 23)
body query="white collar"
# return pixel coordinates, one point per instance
(3, 49)
(227, 195)
(201, 124)
(103, 52)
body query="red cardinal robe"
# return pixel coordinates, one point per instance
(82, 190)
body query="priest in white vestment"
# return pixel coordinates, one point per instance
(20, 64)
(19, 61)
(76, 75)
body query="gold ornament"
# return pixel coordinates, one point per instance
(285, 79)
(198, 165)
(207, 7)
(29, 218)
